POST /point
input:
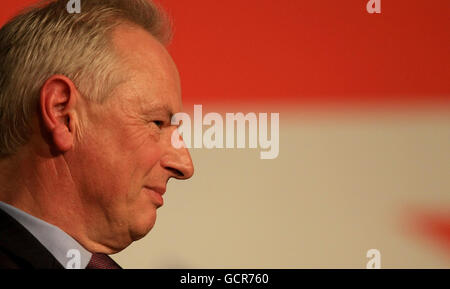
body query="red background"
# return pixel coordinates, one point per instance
(308, 51)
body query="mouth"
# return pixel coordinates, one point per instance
(156, 194)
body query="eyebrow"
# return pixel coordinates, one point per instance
(158, 108)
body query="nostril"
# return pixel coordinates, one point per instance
(176, 172)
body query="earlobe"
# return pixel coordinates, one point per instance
(62, 137)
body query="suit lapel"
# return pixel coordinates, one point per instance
(21, 245)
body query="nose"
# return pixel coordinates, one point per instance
(178, 162)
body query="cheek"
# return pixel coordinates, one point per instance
(117, 163)
(145, 171)
(141, 144)
(147, 158)
(141, 209)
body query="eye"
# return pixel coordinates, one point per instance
(159, 123)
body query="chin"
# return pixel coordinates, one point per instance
(143, 225)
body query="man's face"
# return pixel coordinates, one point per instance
(125, 158)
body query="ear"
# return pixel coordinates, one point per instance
(58, 97)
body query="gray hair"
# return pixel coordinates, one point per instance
(45, 40)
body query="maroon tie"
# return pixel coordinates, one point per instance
(102, 261)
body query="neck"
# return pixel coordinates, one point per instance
(43, 187)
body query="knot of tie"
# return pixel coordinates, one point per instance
(102, 261)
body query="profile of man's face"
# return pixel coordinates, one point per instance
(125, 158)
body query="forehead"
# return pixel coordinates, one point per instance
(151, 78)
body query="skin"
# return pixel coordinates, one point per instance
(102, 189)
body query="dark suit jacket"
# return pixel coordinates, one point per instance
(19, 249)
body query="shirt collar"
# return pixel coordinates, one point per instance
(68, 252)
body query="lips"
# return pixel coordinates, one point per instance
(156, 193)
